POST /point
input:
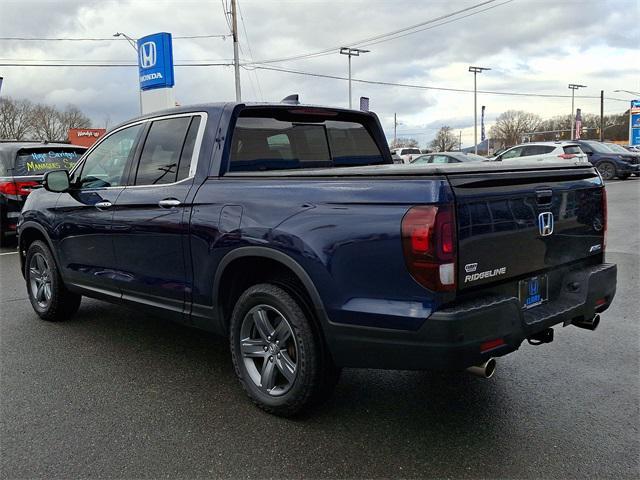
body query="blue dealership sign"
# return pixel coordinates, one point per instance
(155, 61)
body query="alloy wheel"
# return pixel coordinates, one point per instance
(40, 280)
(269, 350)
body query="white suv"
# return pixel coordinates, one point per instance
(407, 154)
(543, 152)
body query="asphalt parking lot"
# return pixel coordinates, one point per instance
(113, 393)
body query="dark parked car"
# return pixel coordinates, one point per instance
(288, 229)
(624, 151)
(447, 157)
(610, 164)
(21, 167)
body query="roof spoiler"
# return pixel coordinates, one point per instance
(291, 99)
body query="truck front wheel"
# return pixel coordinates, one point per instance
(276, 354)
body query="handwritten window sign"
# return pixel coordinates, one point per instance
(39, 161)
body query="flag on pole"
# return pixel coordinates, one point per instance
(578, 124)
(482, 125)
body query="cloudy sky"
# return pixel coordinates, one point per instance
(532, 46)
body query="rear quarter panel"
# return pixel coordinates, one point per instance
(344, 232)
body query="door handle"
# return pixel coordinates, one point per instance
(103, 205)
(169, 203)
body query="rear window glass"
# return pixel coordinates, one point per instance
(410, 151)
(537, 150)
(36, 162)
(575, 149)
(262, 143)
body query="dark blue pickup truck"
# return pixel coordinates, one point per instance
(288, 229)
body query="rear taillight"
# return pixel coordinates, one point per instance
(17, 188)
(429, 244)
(567, 156)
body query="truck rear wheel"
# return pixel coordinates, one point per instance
(276, 354)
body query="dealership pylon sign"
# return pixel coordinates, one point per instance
(155, 66)
(634, 123)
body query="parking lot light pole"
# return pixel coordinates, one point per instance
(573, 87)
(351, 52)
(476, 71)
(134, 45)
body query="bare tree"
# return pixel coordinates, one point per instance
(72, 117)
(512, 124)
(46, 123)
(404, 143)
(15, 119)
(445, 140)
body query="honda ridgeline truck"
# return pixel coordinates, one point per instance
(288, 229)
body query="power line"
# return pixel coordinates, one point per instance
(101, 39)
(437, 25)
(329, 51)
(246, 37)
(425, 87)
(317, 75)
(104, 65)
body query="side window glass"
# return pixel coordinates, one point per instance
(162, 151)
(104, 167)
(513, 153)
(187, 150)
(440, 159)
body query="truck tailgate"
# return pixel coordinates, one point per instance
(517, 224)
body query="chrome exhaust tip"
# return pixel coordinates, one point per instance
(590, 324)
(484, 370)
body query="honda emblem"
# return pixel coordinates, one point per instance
(545, 224)
(147, 55)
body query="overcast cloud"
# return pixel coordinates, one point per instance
(531, 45)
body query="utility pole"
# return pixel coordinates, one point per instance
(475, 71)
(395, 129)
(460, 141)
(351, 52)
(236, 60)
(602, 115)
(573, 87)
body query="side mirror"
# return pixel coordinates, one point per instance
(56, 181)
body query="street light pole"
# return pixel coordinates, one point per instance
(627, 91)
(134, 45)
(475, 71)
(573, 87)
(351, 52)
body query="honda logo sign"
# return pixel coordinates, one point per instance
(545, 224)
(155, 61)
(148, 53)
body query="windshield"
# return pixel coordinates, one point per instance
(599, 147)
(38, 161)
(616, 148)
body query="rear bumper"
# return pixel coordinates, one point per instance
(451, 339)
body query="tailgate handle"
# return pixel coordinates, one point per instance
(544, 197)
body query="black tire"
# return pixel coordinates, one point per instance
(607, 170)
(314, 377)
(60, 304)
(624, 176)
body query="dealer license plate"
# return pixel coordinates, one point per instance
(533, 291)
